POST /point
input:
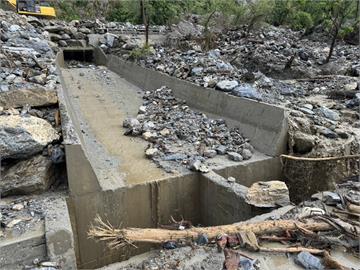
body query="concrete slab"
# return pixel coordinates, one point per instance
(19, 251)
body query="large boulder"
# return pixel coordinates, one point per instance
(268, 194)
(27, 176)
(24, 136)
(34, 97)
(246, 91)
(303, 143)
(226, 85)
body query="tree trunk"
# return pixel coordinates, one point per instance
(332, 46)
(122, 237)
(145, 21)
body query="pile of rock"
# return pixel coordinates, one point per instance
(30, 132)
(178, 134)
(84, 32)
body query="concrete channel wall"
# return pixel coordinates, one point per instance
(203, 199)
(265, 125)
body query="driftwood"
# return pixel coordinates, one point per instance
(320, 159)
(116, 237)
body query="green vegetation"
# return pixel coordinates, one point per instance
(140, 53)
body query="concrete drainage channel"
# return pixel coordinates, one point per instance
(109, 175)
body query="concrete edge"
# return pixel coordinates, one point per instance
(59, 236)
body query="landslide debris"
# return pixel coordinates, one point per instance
(180, 135)
(322, 99)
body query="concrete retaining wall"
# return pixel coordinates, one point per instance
(265, 125)
(203, 199)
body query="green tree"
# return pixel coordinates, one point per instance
(338, 11)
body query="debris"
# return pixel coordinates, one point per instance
(122, 237)
(182, 136)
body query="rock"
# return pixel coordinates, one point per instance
(57, 155)
(130, 123)
(249, 147)
(197, 165)
(17, 207)
(65, 36)
(14, 28)
(306, 110)
(28, 176)
(210, 153)
(328, 197)
(268, 194)
(341, 133)
(235, 156)
(227, 85)
(149, 136)
(303, 143)
(63, 43)
(76, 42)
(54, 28)
(54, 37)
(328, 133)
(221, 149)
(33, 97)
(10, 78)
(308, 261)
(202, 240)
(84, 30)
(175, 157)
(330, 114)
(24, 136)
(247, 91)
(149, 153)
(148, 126)
(4, 88)
(196, 71)
(246, 154)
(165, 132)
(305, 212)
(231, 179)
(40, 79)
(142, 109)
(111, 40)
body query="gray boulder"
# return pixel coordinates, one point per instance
(33, 97)
(303, 143)
(27, 176)
(246, 91)
(24, 136)
(226, 85)
(330, 114)
(268, 194)
(235, 156)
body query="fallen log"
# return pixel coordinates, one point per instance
(116, 237)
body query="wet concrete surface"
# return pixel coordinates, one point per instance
(103, 100)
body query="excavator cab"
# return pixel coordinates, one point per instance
(33, 7)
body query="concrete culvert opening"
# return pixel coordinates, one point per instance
(79, 54)
(110, 176)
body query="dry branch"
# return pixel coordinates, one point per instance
(127, 236)
(320, 159)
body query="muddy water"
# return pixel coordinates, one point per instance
(103, 101)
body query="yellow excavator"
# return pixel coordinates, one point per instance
(33, 7)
